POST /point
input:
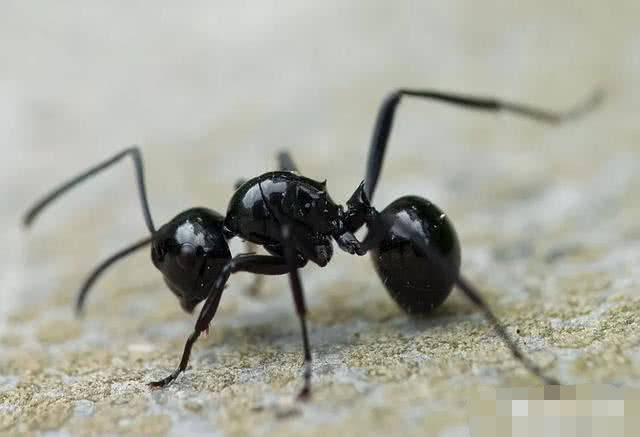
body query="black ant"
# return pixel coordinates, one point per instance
(414, 245)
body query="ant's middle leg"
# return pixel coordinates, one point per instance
(301, 309)
(258, 280)
(297, 247)
(258, 264)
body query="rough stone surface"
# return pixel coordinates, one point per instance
(548, 217)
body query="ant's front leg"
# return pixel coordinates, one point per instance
(258, 264)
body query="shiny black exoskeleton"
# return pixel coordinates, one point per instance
(412, 282)
(191, 251)
(413, 245)
(256, 205)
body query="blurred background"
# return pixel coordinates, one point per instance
(212, 90)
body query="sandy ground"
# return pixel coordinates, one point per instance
(548, 217)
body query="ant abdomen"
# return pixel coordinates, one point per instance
(414, 281)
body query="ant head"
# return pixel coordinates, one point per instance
(191, 251)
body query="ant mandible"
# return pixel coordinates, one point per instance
(414, 245)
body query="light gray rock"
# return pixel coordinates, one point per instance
(548, 217)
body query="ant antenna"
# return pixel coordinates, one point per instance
(35, 211)
(133, 151)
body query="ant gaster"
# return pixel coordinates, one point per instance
(413, 244)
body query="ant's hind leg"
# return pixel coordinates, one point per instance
(387, 111)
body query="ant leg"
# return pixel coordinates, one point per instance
(470, 291)
(133, 151)
(473, 294)
(211, 306)
(301, 309)
(291, 247)
(88, 283)
(275, 250)
(256, 284)
(258, 264)
(254, 288)
(387, 110)
(285, 162)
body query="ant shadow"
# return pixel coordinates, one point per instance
(336, 324)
